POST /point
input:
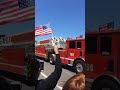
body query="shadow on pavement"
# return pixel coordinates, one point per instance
(70, 68)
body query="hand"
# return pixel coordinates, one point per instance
(56, 49)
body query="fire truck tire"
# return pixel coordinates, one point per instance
(51, 59)
(79, 66)
(105, 84)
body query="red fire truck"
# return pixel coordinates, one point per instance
(103, 59)
(72, 51)
(16, 52)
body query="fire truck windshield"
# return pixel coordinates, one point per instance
(105, 43)
(78, 44)
(91, 44)
(72, 44)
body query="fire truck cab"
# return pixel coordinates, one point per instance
(72, 52)
(103, 59)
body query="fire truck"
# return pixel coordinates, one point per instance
(103, 59)
(17, 53)
(72, 51)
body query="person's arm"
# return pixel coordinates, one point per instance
(51, 81)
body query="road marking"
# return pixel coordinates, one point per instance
(56, 85)
(43, 75)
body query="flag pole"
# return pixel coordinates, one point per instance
(50, 27)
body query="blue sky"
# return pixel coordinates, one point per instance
(99, 12)
(66, 17)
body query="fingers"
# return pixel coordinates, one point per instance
(56, 49)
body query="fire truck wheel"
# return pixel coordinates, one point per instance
(79, 66)
(51, 59)
(105, 84)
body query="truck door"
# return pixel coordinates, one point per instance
(106, 53)
(80, 50)
(118, 64)
(72, 51)
(63, 55)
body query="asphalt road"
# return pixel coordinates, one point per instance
(66, 74)
(22, 85)
(48, 69)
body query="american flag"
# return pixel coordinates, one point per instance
(42, 30)
(16, 11)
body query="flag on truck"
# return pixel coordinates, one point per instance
(106, 26)
(16, 11)
(42, 30)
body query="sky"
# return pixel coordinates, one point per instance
(66, 17)
(99, 12)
